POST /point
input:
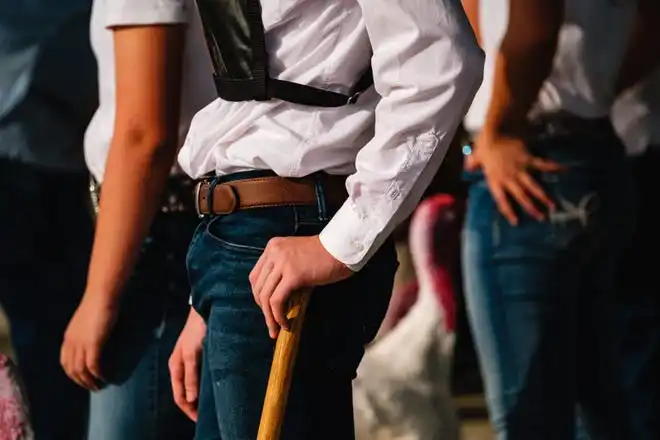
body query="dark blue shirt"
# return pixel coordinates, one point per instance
(48, 89)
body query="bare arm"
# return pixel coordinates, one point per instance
(148, 77)
(472, 11)
(642, 55)
(523, 63)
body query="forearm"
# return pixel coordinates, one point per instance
(427, 69)
(522, 64)
(472, 11)
(135, 180)
(148, 76)
(518, 77)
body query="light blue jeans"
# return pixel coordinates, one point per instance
(137, 402)
(540, 295)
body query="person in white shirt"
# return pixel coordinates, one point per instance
(279, 213)
(549, 213)
(154, 74)
(636, 116)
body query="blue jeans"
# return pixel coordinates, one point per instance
(137, 401)
(540, 295)
(639, 300)
(341, 319)
(46, 232)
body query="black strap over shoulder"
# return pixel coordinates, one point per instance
(235, 37)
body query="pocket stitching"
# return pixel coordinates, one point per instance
(230, 245)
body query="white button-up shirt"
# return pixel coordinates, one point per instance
(427, 68)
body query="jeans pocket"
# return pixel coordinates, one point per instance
(250, 230)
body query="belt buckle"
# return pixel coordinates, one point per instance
(198, 189)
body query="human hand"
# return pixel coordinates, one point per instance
(84, 338)
(185, 364)
(506, 164)
(289, 264)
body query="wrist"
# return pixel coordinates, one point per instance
(101, 299)
(500, 129)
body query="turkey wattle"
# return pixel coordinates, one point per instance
(402, 390)
(14, 419)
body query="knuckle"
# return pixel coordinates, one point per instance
(276, 302)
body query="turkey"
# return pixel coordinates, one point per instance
(402, 391)
(14, 419)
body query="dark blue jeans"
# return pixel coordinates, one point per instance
(341, 319)
(137, 401)
(540, 295)
(639, 301)
(46, 231)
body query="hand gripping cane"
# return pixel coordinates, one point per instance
(281, 371)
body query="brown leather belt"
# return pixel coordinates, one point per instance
(264, 192)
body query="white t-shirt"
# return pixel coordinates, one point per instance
(197, 84)
(591, 46)
(636, 116)
(493, 20)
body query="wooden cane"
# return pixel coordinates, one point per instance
(281, 370)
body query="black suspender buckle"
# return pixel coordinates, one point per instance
(353, 99)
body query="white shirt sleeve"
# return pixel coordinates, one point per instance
(427, 68)
(145, 12)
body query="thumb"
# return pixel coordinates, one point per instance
(471, 162)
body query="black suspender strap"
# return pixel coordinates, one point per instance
(259, 86)
(238, 90)
(259, 54)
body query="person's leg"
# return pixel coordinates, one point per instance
(206, 427)
(137, 403)
(46, 232)
(518, 301)
(639, 301)
(529, 289)
(341, 319)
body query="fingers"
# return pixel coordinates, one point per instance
(517, 190)
(256, 274)
(266, 280)
(191, 376)
(78, 370)
(93, 363)
(273, 327)
(279, 302)
(177, 377)
(178, 374)
(545, 165)
(263, 279)
(535, 190)
(525, 190)
(472, 162)
(501, 200)
(273, 280)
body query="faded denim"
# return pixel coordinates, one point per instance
(137, 401)
(540, 294)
